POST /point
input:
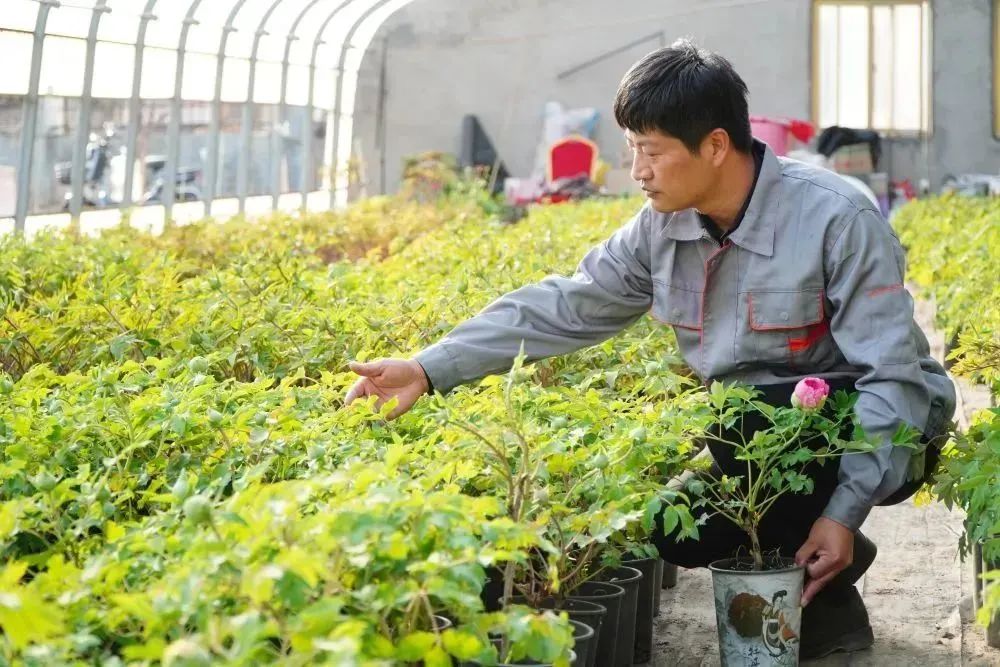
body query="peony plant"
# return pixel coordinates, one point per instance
(777, 456)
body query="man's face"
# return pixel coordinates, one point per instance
(672, 177)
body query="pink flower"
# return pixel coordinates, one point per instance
(810, 393)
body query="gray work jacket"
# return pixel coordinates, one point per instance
(809, 284)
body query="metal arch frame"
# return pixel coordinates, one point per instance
(307, 172)
(337, 111)
(29, 117)
(30, 107)
(135, 102)
(83, 118)
(246, 126)
(211, 168)
(174, 128)
(283, 101)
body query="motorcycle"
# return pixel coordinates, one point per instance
(185, 181)
(104, 168)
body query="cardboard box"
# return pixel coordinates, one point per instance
(855, 159)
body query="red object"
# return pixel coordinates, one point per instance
(775, 132)
(801, 130)
(814, 334)
(571, 157)
(904, 188)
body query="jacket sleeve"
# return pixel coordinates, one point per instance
(872, 324)
(611, 289)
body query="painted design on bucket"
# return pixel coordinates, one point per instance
(759, 631)
(752, 616)
(777, 634)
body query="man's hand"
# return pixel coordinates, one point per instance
(828, 550)
(402, 378)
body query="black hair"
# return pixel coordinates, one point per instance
(685, 92)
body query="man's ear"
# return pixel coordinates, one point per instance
(716, 146)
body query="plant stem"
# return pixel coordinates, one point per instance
(755, 550)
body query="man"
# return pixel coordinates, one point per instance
(768, 270)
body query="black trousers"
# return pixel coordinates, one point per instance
(786, 526)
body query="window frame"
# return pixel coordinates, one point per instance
(927, 58)
(995, 55)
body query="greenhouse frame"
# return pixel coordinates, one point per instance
(285, 69)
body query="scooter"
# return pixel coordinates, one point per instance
(104, 168)
(96, 172)
(185, 181)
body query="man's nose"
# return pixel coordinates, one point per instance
(640, 169)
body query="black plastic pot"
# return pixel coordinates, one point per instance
(658, 576)
(648, 589)
(584, 641)
(580, 612)
(669, 575)
(610, 597)
(573, 660)
(493, 589)
(628, 578)
(981, 564)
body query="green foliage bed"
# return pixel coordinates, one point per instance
(179, 482)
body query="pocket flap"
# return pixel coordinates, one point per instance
(776, 311)
(677, 307)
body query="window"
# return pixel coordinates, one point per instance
(996, 69)
(871, 65)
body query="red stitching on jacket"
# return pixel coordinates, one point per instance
(701, 315)
(885, 290)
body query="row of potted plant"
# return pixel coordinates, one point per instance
(176, 460)
(172, 442)
(953, 248)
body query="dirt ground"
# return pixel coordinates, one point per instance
(918, 592)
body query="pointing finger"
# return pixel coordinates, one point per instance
(367, 369)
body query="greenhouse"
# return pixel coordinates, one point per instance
(148, 75)
(450, 333)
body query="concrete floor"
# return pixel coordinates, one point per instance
(918, 592)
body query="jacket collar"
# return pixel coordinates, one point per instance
(756, 231)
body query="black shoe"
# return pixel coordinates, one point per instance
(835, 620)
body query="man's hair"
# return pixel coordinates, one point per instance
(685, 92)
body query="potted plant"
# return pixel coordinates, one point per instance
(757, 595)
(969, 477)
(521, 636)
(577, 469)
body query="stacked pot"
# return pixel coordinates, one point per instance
(612, 614)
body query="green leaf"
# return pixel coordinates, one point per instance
(25, 618)
(462, 644)
(670, 519)
(415, 645)
(436, 657)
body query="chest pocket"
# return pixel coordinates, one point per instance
(786, 328)
(676, 306)
(681, 309)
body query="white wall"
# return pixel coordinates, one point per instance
(499, 59)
